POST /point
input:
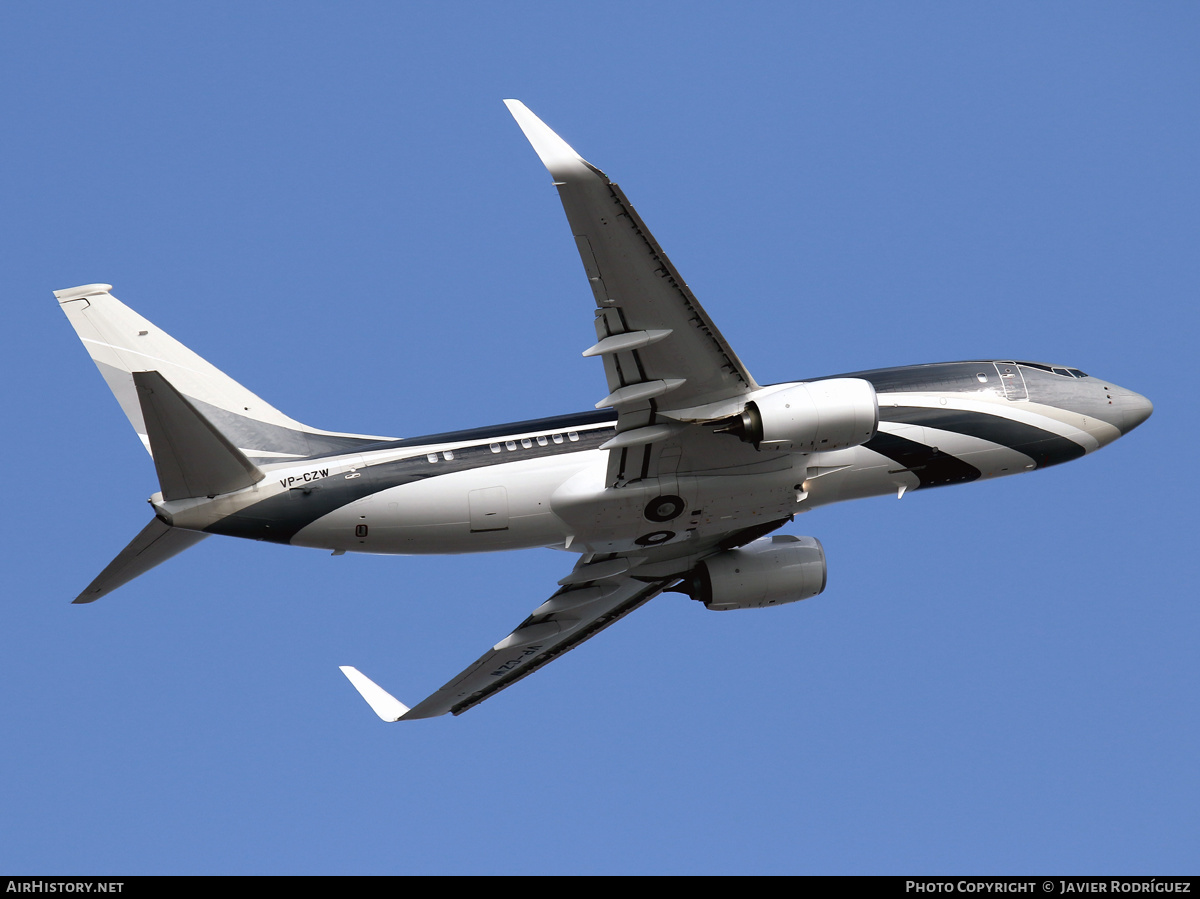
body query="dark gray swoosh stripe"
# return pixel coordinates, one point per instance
(279, 518)
(933, 467)
(1044, 447)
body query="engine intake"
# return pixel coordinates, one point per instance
(815, 416)
(769, 571)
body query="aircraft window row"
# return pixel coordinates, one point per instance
(527, 443)
(511, 445)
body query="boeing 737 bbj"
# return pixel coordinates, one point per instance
(676, 482)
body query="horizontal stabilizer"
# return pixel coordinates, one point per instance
(192, 457)
(386, 706)
(156, 543)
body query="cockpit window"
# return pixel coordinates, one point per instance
(1058, 370)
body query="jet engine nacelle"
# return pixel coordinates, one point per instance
(770, 571)
(815, 416)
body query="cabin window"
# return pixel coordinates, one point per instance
(510, 445)
(494, 447)
(981, 377)
(526, 442)
(557, 438)
(448, 455)
(432, 457)
(542, 441)
(572, 436)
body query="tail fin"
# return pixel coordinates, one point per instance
(121, 342)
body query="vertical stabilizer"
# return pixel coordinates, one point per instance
(121, 342)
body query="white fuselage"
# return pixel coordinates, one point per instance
(546, 488)
(691, 509)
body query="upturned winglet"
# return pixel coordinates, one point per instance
(556, 154)
(385, 705)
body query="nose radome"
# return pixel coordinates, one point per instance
(1136, 409)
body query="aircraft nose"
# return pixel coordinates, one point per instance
(1135, 409)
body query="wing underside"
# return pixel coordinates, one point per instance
(597, 593)
(665, 360)
(573, 615)
(669, 371)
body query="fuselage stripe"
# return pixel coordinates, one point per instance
(1044, 447)
(931, 466)
(289, 512)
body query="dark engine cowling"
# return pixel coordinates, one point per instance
(770, 571)
(815, 416)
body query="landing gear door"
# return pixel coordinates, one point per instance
(1012, 379)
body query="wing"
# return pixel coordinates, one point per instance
(665, 360)
(593, 596)
(668, 369)
(597, 593)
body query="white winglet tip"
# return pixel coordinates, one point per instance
(385, 705)
(556, 154)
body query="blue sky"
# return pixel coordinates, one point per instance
(333, 205)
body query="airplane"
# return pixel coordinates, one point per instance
(676, 481)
